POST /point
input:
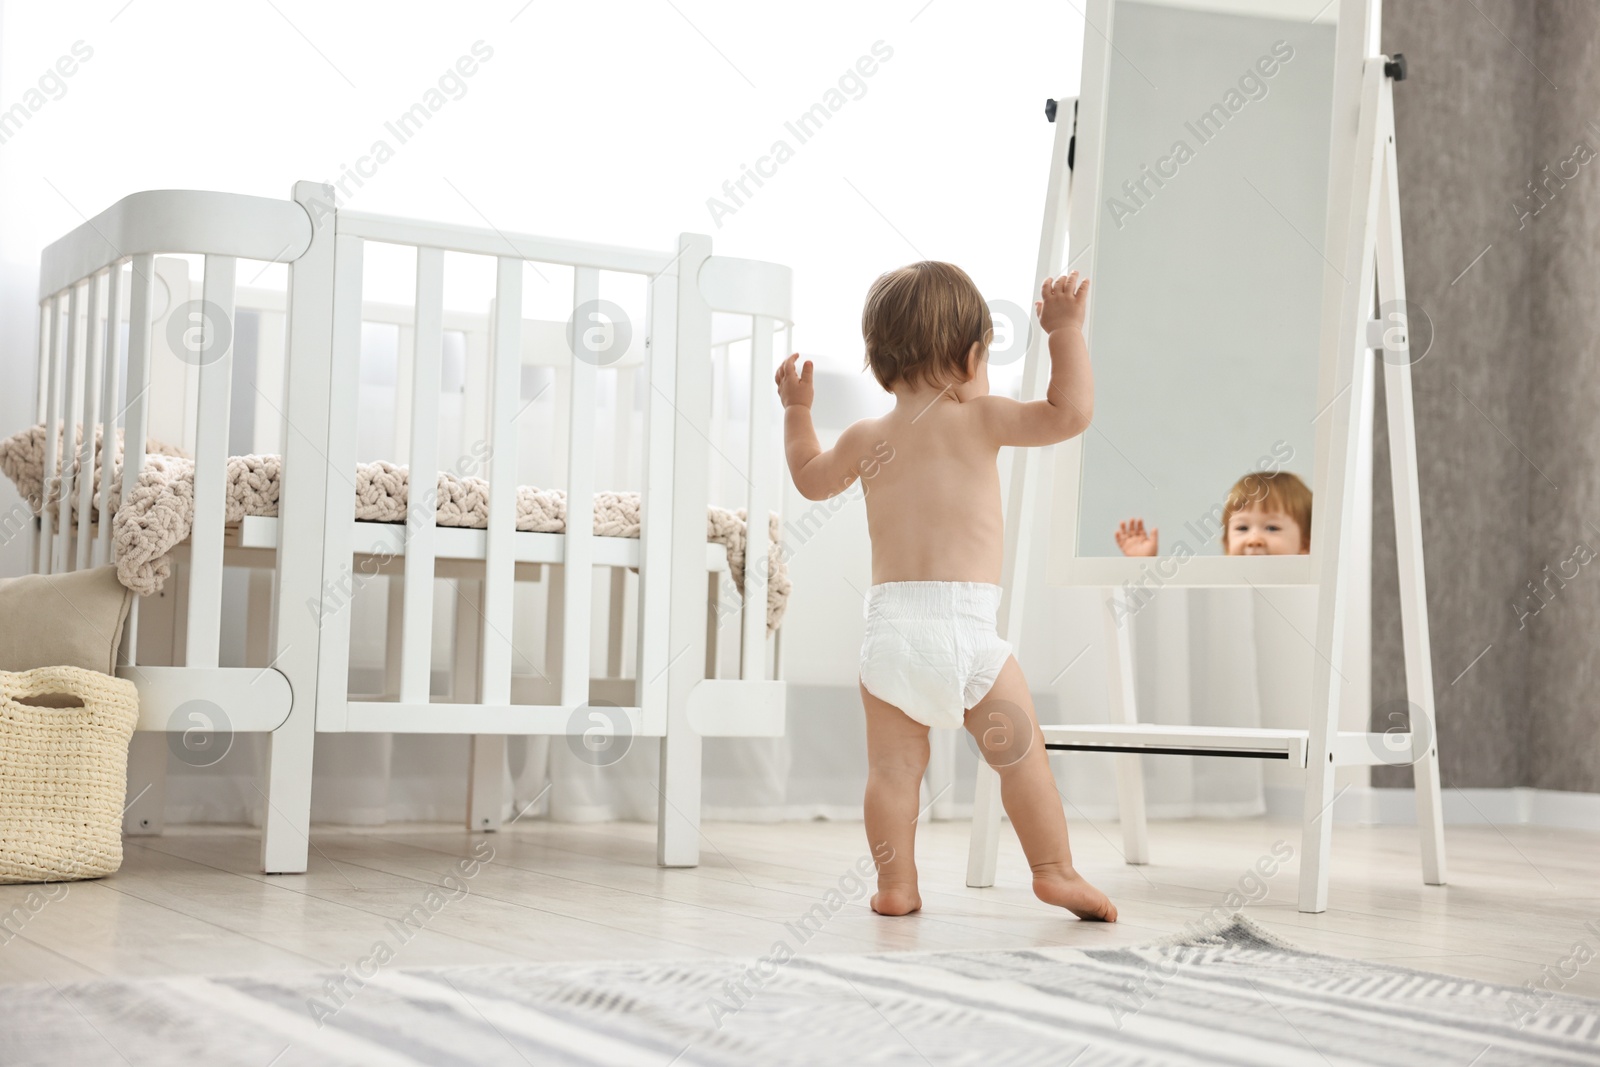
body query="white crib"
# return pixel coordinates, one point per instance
(109, 293)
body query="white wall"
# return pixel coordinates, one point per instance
(613, 123)
(610, 122)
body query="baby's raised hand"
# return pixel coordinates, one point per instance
(1062, 302)
(794, 386)
(1134, 541)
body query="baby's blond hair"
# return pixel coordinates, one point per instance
(1273, 491)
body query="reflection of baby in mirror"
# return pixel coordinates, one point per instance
(1267, 513)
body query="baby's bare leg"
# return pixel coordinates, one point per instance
(1007, 732)
(897, 754)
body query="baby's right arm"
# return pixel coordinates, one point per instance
(817, 473)
(1068, 404)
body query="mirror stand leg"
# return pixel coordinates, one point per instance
(984, 847)
(1130, 809)
(1408, 510)
(1430, 816)
(1125, 709)
(1316, 838)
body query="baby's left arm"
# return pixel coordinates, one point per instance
(817, 472)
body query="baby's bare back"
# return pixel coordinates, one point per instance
(933, 496)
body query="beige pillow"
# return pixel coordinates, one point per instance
(73, 619)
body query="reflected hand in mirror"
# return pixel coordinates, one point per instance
(1134, 540)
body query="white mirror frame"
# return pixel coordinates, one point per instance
(1357, 39)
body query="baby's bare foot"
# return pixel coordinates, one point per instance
(1066, 888)
(896, 898)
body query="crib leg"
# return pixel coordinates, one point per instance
(286, 824)
(485, 787)
(153, 633)
(678, 820)
(147, 784)
(485, 794)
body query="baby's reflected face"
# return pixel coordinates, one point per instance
(1253, 532)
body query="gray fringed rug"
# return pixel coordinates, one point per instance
(1237, 997)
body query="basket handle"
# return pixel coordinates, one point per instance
(41, 681)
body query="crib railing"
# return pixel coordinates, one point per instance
(384, 431)
(94, 379)
(761, 292)
(84, 295)
(107, 271)
(494, 711)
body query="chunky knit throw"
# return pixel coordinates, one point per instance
(159, 510)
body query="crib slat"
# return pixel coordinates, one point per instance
(580, 493)
(416, 645)
(43, 356)
(655, 527)
(405, 373)
(215, 318)
(61, 557)
(93, 355)
(42, 385)
(762, 468)
(500, 550)
(777, 638)
(53, 342)
(136, 417)
(116, 297)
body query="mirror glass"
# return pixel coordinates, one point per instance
(1207, 263)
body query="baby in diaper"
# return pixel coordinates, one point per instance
(932, 657)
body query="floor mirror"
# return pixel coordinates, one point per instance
(1229, 184)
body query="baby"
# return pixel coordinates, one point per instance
(1267, 513)
(932, 657)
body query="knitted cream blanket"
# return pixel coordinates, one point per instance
(160, 508)
(22, 460)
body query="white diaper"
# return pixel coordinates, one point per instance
(931, 648)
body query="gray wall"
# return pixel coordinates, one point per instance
(1507, 398)
(1563, 741)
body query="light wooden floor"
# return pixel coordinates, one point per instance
(192, 902)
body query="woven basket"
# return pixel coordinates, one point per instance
(63, 773)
